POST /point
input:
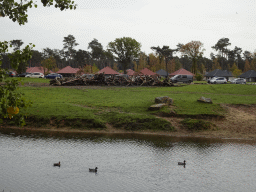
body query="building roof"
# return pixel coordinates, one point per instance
(219, 73)
(130, 72)
(162, 72)
(37, 69)
(249, 74)
(181, 72)
(146, 71)
(68, 69)
(108, 71)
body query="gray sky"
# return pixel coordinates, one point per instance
(150, 22)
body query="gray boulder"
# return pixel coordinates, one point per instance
(156, 106)
(205, 100)
(165, 99)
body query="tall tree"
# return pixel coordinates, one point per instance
(125, 50)
(16, 44)
(165, 53)
(247, 66)
(82, 57)
(194, 50)
(69, 45)
(221, 46)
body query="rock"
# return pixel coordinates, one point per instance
(156, 106)
(164, 99)
(205, 100)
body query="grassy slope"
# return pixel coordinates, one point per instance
(128, 105)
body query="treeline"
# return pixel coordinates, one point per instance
(235, 60)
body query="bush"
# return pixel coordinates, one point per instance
(199, 77)
(196, 125)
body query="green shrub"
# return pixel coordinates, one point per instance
(199, 77)
(196, 125)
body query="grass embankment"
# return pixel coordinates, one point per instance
(126, 108)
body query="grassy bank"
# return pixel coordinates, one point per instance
(127, 107)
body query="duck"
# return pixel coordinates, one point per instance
(57, 164)
(93, 170)
(182, 163)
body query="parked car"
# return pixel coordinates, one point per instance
(53, 76)
(23, 74)
(182, 78)
(11, 74)
(88, 76)
(35, 75)
(238, 81)
(218, 80)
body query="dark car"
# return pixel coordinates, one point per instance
(23, 74)
(11, 74)
(53, 76)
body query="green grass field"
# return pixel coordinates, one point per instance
(129, 105)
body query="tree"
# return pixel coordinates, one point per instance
(17, 44)
(194, 51)
(10, 99)
(49, 64)
(216, 64)
(165, 53)
(16, 11)
(69, 44)
(221, 46)
(125, 50)
(247, 66)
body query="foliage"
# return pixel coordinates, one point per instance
(13, 103)
(199, 77)
(237, 72)
(16, 11)
(196, 125)
(216, 64)
(125, 50)
(194, 51)
(90, 69)
(165, 53)
(49, 64)
(221, 46)
(247, 66)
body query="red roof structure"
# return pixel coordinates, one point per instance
(181, 72)
(146, 71)
(130, 72)
(36, 69)
(108, 71)
(68, 70)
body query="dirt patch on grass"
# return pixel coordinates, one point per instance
(239, 122)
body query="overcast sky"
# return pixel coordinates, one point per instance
(150, 22)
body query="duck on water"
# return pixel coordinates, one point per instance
(93, 170)
(182, 163)
(56, 164)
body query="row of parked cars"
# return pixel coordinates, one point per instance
(223, 80)
(36, 75)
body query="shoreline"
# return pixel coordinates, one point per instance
(216, 135)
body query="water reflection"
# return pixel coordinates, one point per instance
(126, 162)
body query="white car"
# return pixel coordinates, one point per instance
(218, 80)
(238, 81)
(35, 75)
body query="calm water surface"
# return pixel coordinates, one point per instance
(125, 163)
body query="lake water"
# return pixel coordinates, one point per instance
(127, 162)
